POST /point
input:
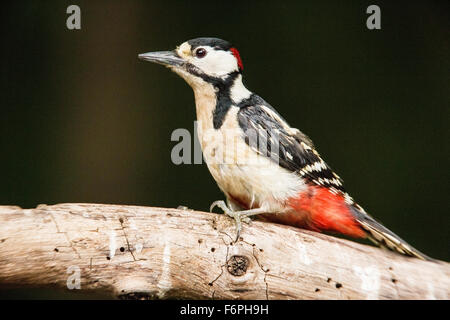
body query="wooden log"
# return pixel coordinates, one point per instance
(146, 252)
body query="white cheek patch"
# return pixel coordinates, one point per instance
(217, 63)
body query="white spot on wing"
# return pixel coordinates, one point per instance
(305, 146)
(348, 199)
(279, 120)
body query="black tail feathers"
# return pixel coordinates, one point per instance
(384, 237)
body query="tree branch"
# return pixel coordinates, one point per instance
(145, 252)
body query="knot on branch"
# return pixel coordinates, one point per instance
(237, 265)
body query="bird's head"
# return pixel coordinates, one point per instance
(200, 60)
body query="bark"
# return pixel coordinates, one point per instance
(146, 252)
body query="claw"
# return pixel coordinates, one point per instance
(221, 204)
(238, 230)
(246, 219)
(237, 216)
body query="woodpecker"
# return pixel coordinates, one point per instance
(269, 169)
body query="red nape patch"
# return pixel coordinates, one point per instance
(326, 211)
(236, 54)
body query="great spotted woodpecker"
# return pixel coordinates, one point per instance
(269, 169)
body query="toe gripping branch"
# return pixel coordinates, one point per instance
(238, 216)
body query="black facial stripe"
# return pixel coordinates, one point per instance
(223, 99)
(215, 81)
(222, 86)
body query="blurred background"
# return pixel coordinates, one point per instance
(83, 120)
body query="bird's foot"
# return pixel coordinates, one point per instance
(238, 216)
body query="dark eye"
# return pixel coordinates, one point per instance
(200, 53)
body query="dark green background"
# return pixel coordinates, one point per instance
(83, 120)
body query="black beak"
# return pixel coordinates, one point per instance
(166, 58)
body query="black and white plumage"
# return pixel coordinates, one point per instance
(293, 149)
(295, 152)
(268, 168)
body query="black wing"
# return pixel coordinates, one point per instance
(267, 133)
